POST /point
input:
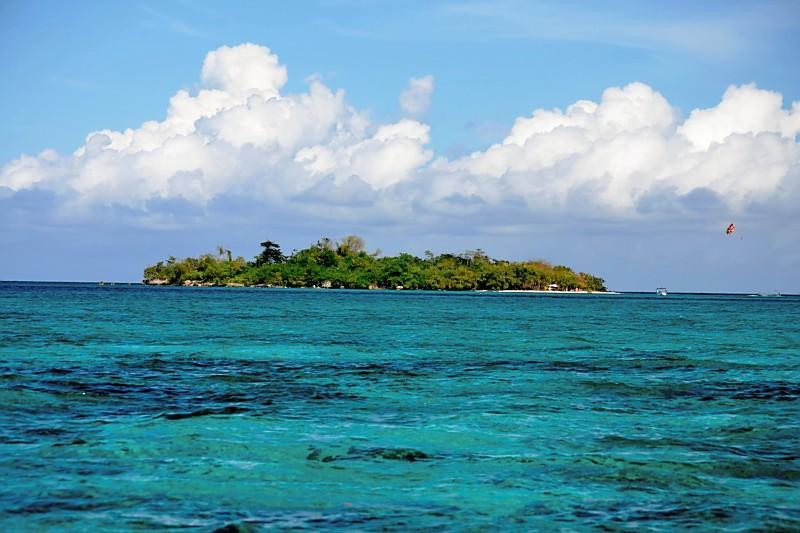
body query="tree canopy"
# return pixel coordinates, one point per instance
(270, 254)
(346, 264)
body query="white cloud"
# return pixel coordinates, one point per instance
(627, 156)
(416, 99)
(744, 109)
(244, 69)
(632, 144)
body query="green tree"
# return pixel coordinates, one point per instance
(270, 254)
(347, 264)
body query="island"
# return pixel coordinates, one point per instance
(346, 264)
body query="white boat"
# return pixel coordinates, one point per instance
(661, 291)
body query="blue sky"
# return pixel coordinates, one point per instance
(74, 69)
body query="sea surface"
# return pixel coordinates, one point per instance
(148, 408)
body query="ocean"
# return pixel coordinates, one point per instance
(147, 408)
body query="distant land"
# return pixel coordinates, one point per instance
(346, 264)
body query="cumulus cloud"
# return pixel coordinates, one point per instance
(628, 155)
(416, 99)
(614, 153)
(244, 69)
(745, 109)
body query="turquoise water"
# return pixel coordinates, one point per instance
(140, 408)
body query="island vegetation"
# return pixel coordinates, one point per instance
(346, 264)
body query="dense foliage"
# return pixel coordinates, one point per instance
(345, 264)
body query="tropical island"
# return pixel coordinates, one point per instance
(346, 264)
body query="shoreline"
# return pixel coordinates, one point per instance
(142, 284)
(541, 291)
(265, 286)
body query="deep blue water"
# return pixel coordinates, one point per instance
(140, 408)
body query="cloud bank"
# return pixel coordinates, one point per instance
(630, 156)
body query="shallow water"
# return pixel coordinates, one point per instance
(130, 407)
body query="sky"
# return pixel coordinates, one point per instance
(619, 138)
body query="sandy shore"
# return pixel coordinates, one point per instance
(556, 292)
(192, 283)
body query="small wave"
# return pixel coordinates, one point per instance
(230, 410)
